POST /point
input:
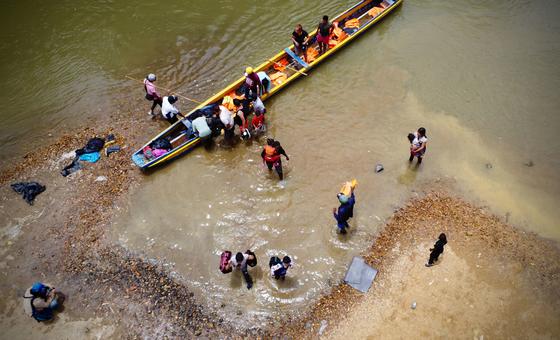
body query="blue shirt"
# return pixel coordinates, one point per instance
(345, 212)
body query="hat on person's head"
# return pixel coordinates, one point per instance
(342, 198)
(151, 77)
(249, 70)
(172, 99)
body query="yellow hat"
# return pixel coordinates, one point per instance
(249, 70)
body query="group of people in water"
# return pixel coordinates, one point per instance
(241, 262)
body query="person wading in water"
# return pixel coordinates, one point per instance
(418, 145)
(271, 156)
(345, 211)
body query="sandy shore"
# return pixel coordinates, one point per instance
(493, 280)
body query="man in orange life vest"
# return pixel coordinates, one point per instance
(271, 156)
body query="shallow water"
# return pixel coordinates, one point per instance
(481, 77)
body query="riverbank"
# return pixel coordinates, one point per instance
(493, 280)
(112, 292)
(62, 239)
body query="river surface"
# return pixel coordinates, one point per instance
(482, 77)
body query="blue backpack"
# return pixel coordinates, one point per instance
(41, 291)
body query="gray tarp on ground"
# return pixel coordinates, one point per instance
(360, 275)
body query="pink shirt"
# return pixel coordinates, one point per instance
(150, 88)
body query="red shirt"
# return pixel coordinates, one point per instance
(257, 121)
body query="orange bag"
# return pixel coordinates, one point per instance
(375, 11)
(278, 78)
(352, 23)
(312, 54)
(280, 65)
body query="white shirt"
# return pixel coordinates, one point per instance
(200, 126)
(258, 105)
(225, 117)
(417, 142)
(168, 110)
(234, 262)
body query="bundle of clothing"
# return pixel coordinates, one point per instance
(29, 190)
(89, 153)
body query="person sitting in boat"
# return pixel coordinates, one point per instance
(271, 156)
(151, 92)
(279, 268)
(41, 301)
(201, 128)
(170, 111)
(253, 85)
(300, 38)
(265, 81)
(324, 31)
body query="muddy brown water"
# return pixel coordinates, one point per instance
(481, 77)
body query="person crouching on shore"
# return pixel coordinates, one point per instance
(437, 250)
(43, 301)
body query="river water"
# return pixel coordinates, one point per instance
(482, 77)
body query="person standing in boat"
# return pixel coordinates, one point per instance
(271, 156)
(324, 31)
(300, 38)
(170, 111)
(151, 92)
(418, 146)
(253, 85)
(265, 81)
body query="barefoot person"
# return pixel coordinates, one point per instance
(345, 211)
(418, 145)
(437, 250)
(151, 92)
(324, 31)
(300, 38)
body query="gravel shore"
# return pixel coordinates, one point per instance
(63, 239)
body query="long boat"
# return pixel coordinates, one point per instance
(284, 68)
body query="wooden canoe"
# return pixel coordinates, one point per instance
(352, 22)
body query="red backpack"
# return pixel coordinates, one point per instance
(224, 260)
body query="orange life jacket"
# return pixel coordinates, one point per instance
(270, 154)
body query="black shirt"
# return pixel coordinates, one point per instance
(300, 38)
(325, 29)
